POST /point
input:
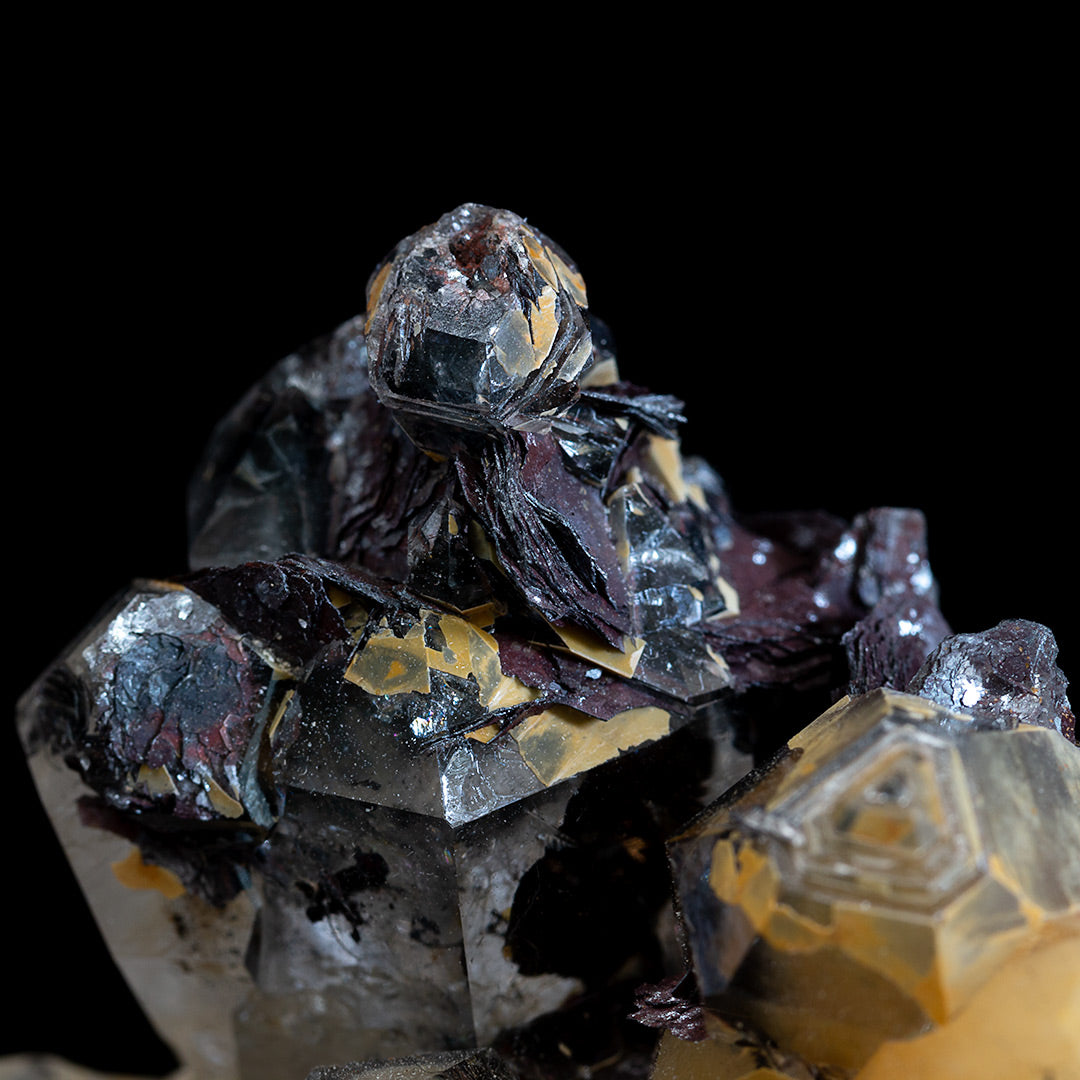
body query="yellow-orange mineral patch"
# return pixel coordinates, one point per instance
(561, 742)
(136, 874)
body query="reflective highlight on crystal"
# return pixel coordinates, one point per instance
(888, 862)
(392, 770)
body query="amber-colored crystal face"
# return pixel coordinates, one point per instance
(888, 864)
(900, 826)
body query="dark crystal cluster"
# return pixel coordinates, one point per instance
(465, 641)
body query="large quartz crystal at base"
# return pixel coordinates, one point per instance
(456, 1065)
(342, 866)
(1021, 1024)
(873, 881)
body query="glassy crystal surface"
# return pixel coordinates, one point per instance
(888, 864)
(456, 1065)
(479, 324)
(465, 640)
(1000, 678)
(388, 874)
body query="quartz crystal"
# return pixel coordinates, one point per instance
(456, 1065)
(860, 902)
(464, 641)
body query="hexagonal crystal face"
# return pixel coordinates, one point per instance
(895, 822)
(890, 860)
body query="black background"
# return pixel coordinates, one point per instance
(859, 301)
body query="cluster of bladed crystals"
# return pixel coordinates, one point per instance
(464, 642)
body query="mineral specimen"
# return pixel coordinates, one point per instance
(366, 795)
(456, 1065)
(1000, 678)
(855, 900)
(465, 639)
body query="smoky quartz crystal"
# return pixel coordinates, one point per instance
(389, 775)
